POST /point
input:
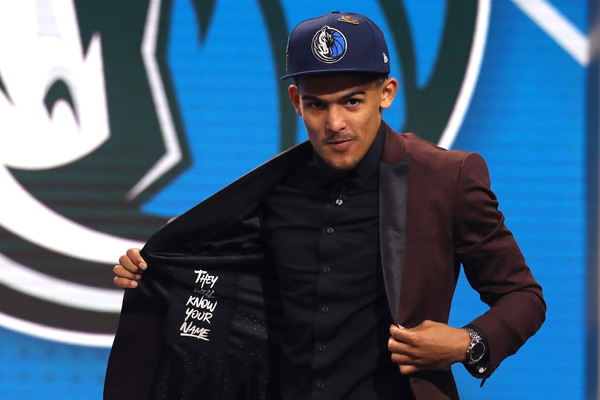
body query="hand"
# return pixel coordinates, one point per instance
(428, 346)
(129, 272)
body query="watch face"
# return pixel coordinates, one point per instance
(477, 352)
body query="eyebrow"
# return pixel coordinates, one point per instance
(310, 97)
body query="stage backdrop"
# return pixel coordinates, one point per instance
(115, 115)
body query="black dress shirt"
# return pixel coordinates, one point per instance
(323, 230)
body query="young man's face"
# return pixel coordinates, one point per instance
(342, 114)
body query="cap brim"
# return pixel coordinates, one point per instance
(332, 72)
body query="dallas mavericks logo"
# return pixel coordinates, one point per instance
(82, 145)
(329, 45)
(90, 129)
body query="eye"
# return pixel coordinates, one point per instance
(317, 105)
(58, 91)
(353, 102)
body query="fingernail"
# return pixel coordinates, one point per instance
(143, 265)
(400, 326)
(134, 284)
(138, 277)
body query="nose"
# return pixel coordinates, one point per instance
(335, 119)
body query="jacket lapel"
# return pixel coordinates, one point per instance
(393, 200)
(393, 192)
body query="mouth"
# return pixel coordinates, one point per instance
(340, 144)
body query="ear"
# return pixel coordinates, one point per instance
(388, 92)
(295, 97)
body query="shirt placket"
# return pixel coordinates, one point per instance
(325, 290)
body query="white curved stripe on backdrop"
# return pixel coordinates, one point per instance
(471, 75)
(45, 287)
(55, 334)
(25, 216)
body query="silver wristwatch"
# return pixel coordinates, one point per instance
(476, 349)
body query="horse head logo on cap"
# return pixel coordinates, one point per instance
(329, 45)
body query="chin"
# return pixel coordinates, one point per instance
(342, 166)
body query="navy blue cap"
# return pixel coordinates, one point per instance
(336, 42)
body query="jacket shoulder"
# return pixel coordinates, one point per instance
(420, 151)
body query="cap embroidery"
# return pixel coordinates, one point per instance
(348, 19)
(385, 58)
(329, 45)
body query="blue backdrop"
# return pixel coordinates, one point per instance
(526, 116)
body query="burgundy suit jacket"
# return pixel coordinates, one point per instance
(437, 212)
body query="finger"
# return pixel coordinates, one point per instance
(408, 369)
(401, 352)
(402, 359)
(134, 255)
(405, 362)
(395, 346)
(127, 264)
(122, 272)
(396, 328)
(124, 283)
(401, 334)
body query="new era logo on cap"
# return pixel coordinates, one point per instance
(336, 42)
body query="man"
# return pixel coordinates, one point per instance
(317, 267)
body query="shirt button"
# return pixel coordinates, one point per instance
(330, 230)
(322, 347)
(324, 309)
(326, 268)
(320, 385)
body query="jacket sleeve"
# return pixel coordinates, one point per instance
(494, 266)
